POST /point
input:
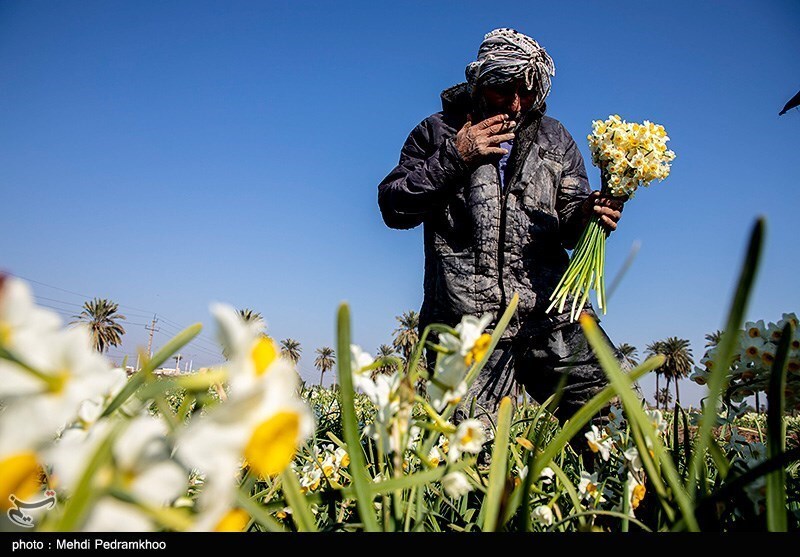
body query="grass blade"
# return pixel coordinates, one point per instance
(582, 416)
(301, 513)
(717, 379)
(776, 434)
(140, 377)
(624, 388)
(352, 436)
(498, 468)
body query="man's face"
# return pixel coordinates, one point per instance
(511, 98)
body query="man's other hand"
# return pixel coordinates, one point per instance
(608, 208)
(475, 142)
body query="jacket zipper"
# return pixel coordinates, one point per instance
(501, 241)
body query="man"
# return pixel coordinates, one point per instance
(502, 193)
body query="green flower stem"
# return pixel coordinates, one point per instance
(53, 383)
(362, 483)
(585, 272)
(444, 426)
(301, 513)
(594, 512)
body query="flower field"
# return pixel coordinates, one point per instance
(249, 447)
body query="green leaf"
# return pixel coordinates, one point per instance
(259, 513)
(358, 471)
(636, 416)
(498, 468)
(720, 460)
(301, 513)
(417, 479)
(141, 376)
(776, 434)
(718, 377)
(582, 416)
(85, 494)
(572, 492)
(200, 382)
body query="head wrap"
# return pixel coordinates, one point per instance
(506, 55)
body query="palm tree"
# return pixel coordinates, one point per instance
(290, 348)
(664, 396)
(630, 358)
(712, 339)
(250, 316)
(326, 359)
(679, 361)
(101, 317)
(384, 351)
(653, 349)
(406, 335)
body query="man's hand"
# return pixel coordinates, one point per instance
(476, 142)
(608, 208)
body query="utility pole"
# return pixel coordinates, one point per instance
(152, 329)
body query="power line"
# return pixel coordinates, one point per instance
(210, 346)
(175, 330)
(147, 312)
(196, 347)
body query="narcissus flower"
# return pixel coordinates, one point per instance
(456, 484)
(468, 438)
(599, 442)
(589, 488)
(263, 420)
(543, 515)
(657, 420)
(635, 492)
(468, 346)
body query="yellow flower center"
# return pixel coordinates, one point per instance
(235, 520)
(57, 381)
(128, 477)
(273, 443)
(263, 354)
(591, 489)
(467, 437)
(19, 476)
(310, 485)
(5, 333)
(345, 460)
(638, 495)
(594, 446)
(478, 349)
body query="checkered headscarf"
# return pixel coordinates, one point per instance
(506, 55)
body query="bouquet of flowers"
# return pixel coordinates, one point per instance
(629, 155)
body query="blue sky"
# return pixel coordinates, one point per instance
(170, 154)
